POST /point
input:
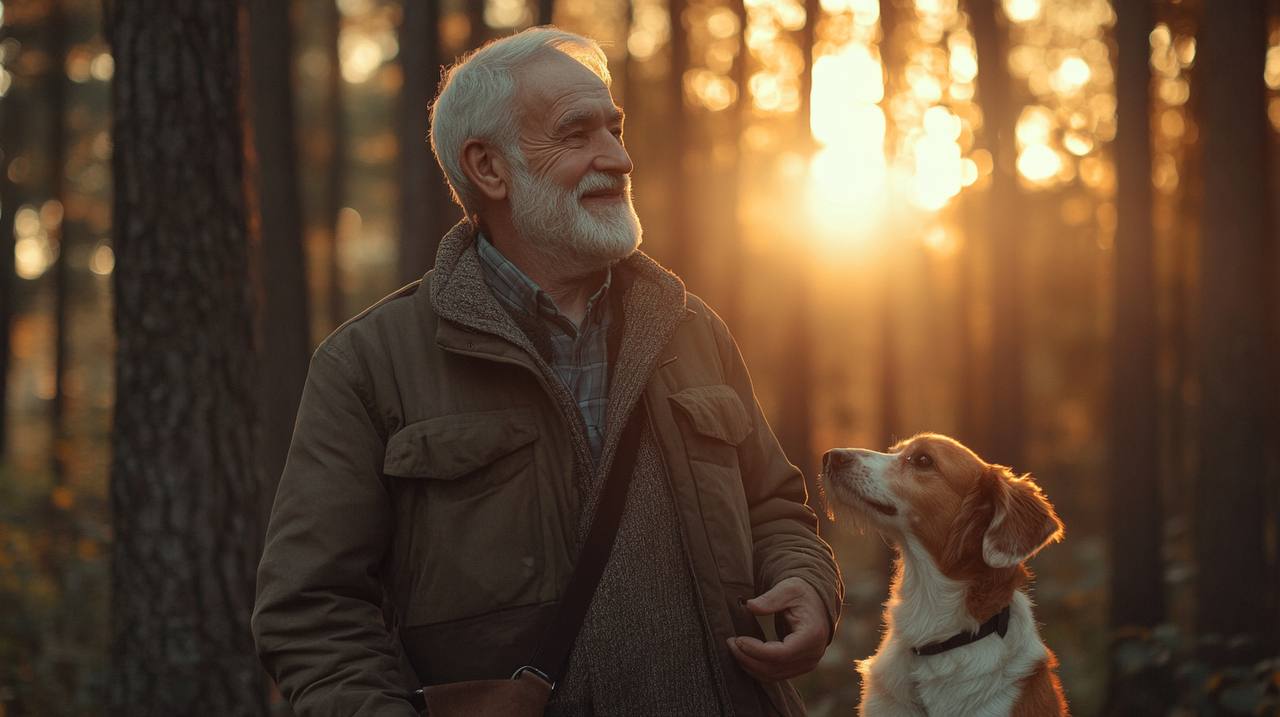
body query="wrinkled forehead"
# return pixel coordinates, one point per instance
(958, 466)
(554, 84)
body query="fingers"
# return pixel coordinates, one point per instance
(757, 669)
(801, 645)
(798, 652)
(769, 661)
(778, 598)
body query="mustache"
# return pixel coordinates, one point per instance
(604, 181)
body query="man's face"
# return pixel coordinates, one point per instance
(571, 190)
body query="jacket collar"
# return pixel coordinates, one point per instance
(458, 291)
(517, 291)
(652, 302)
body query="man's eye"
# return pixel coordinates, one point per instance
(921, 460)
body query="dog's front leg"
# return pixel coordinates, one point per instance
(876, 703)
(886, 687)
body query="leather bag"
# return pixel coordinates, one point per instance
(527, 691)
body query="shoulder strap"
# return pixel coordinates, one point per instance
(552, 656)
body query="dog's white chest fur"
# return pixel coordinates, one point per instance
(981, 679)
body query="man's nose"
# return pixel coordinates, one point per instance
(835, 458)
(614, 159)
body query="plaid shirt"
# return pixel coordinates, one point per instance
(579, 354)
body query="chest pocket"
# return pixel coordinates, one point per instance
(714, 423)
(469, 515)
(449, 447)
(718, 422)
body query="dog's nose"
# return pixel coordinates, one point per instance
(835, 458)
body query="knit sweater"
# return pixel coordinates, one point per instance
(641, 650)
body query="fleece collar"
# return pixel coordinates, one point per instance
(652, 304)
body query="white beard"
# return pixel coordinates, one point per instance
(555, 223)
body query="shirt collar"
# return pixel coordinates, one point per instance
(516, 289)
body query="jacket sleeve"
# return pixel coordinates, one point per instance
(784, 529)
(317, 620)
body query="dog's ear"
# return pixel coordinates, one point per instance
(964, 540)
(1023, 521)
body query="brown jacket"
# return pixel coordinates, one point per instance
(431, 495)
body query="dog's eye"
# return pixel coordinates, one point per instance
(921, 460)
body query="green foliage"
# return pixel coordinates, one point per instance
(1168, 672)
(53, 608)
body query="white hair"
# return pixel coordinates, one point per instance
(476, 99)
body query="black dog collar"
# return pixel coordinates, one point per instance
(999, 624)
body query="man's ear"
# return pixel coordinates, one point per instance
(1022, 524)
(486, 168)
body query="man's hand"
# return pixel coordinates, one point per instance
(801, 649)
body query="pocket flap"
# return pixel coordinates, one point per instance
(451, 446)
(715, 411)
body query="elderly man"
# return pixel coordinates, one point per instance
(452, 441)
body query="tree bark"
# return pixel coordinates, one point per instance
(475, 17)
(892, 52)
(424, 206)
(1238, 360)
(57, 95)
(336, 173)
(1274, 510)
(795, 429)
(184, 484)
(731, 261)
(285, 335)
(1137, 598)
(8, 205)
(969, 390)
(1005, 221)
(1135, 511)
(682, 254)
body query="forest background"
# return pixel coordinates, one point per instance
(1047, 227)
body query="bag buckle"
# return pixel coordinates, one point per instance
(536, 673)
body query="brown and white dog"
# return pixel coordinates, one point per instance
(960, 638)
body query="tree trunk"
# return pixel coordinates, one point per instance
(1238, 360)
(336, 174)
(546, 11)
(682, 254)
(893, 54)
(1005, 221)
(795, 427)
(731, 261)
(285, 335)
(626, 70)
(423, 203)
(184, 484)
(475, 17)
(968, 389)
(1137, 598)
(8, 206)
(1274, 485)
(1135, 512)
(57, 95)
